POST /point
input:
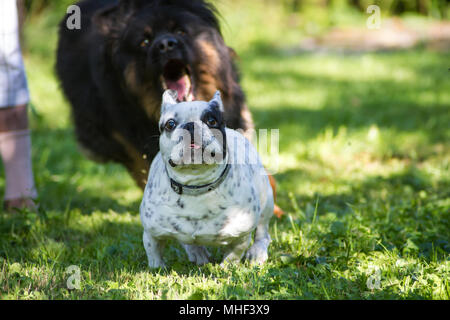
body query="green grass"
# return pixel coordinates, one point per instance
(363, 177)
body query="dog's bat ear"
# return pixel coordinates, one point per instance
(216, 101)
(169, 98)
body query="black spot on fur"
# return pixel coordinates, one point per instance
(148, 213)
(175, 226)
(253, 192)
(180, 203)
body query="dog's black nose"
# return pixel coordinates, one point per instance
(166, 44)
(191, 128)
(195, 131)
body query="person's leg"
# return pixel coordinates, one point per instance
(15, 151)
(15, 144)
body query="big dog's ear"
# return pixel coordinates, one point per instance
(169, 98)
(107, 20)
(216, 101)
(112, 19)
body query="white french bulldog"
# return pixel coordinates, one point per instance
(206, 187)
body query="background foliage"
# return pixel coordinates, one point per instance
(435, 8)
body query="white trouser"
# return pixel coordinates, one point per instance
(13, 81)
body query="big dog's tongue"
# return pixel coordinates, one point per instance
(176, 77)
(182, 86)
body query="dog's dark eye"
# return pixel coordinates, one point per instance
(145, 43)
(211, 122)
(170, 125)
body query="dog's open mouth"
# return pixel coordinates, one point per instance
(177, 76)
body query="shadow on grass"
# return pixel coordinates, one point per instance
(391, 207)
(67, 180)
(110, 248)
(404, 211)
(401, 113)
(86, 201)
(414, 104)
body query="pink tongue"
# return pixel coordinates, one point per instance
(179, 86)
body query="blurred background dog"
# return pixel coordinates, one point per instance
(115, 68)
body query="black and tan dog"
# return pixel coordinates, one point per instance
(115, 68)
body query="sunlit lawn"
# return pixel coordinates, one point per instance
(363, 177)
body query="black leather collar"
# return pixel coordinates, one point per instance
(196, 190)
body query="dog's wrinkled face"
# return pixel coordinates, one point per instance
(160, 45)
(192, 133)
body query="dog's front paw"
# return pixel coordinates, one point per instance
(155, 263)
(257, 253)
(197, 254)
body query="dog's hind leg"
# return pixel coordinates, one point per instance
(197, 254)
(137, 165)
(258, 251)
(153, 249)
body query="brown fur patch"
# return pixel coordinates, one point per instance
(208, 67)
(142, 91)
(138, 165)
(277, 211)
(248, 118)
